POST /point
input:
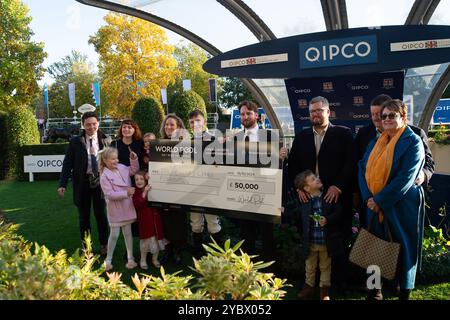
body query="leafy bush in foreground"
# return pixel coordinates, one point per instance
(30, 271)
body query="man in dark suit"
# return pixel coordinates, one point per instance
(80, 164)
(249, 229)
(330, 152)
(373, 130)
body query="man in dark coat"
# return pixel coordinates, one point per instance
(329, 151)
(80, 164)
(373, 130)
(249, 229)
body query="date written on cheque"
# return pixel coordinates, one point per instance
(226, 309)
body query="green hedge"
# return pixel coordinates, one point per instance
(36, 150)
(183, 103)
(3, 144)
(22, 129)
(148, 113)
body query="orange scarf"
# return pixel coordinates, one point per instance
(379, 163)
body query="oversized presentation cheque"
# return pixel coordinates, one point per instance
(181, 179)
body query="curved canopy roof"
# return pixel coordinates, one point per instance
(223, 25)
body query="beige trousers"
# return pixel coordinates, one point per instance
(318, 251)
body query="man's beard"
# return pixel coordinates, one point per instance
(249, 124)
(318, 122)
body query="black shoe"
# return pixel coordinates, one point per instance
(404, 294)
(177, 258)
(375, 295)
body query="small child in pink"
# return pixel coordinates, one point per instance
(115, 180)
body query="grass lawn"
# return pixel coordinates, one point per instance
(51, 221)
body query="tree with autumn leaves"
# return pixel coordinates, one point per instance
(136, 61)
(20, 58)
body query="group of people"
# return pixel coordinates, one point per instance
(384, 167)
(114, 175)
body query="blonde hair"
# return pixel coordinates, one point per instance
(104, 155)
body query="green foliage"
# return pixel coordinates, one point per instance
(435, 255)
(39, 149)
(3, 144)
(20, 58)
(190, 59)
(441, 135)
(289, 249)
(22, 129)
(233, 92)
(226, 274)
(31, 272)
(73, 68)
(148, 113)
(185, 102)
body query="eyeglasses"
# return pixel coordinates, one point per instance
(316, 111)
(391, 116)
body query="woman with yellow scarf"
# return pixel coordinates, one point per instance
(387, 175)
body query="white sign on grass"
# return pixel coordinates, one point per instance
(39, 164)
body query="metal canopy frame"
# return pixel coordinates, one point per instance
(335, 14)
(421, 13)
(205, 45)
(249, 18)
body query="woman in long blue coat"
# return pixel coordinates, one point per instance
(387, 175)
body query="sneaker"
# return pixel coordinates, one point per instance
(108, 266)
(155, 260)
(143, 265)
(131, 264)
(306, 292)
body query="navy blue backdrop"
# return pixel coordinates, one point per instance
(349, 96)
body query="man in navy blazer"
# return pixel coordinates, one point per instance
(79, 165)
(330, 152)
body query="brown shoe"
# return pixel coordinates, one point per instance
(306, 292)
(324, 295)
(374, 295)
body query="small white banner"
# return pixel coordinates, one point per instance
(48, 163)
(72, 94)
(186, 84)
(164, 96)
(273, 58)
(420, 45)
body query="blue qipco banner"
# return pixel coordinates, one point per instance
(235, 122)
(441, 114)
(349, 96)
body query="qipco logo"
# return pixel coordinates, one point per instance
(338, 52)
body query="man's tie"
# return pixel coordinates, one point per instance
(94, 164)
(247, 148)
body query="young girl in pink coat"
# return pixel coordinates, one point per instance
(116, 186)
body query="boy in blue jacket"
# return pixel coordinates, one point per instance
(322, 239)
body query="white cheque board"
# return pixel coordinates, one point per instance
(247, 192)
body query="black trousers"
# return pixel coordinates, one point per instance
(175, 227)
(249, 233)
(93, 196)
